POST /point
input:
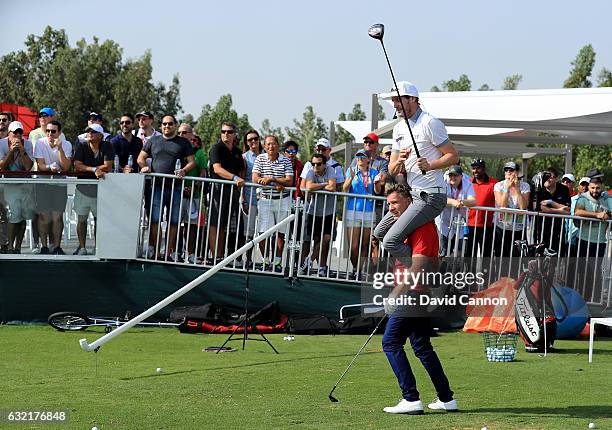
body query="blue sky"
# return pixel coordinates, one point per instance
(276, 57)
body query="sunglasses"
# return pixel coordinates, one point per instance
(3, 119)
(253, 139)
(317, 164)
(51, 131)
(168, 124)
(291, 150)
(42, 115)
(227, 131)
(368, 141)
(125, 122)
(361, 157)
(509, 170)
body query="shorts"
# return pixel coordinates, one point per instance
(353, 218)
(271, 212)
(321, 224)
(190, 213)
(222, 200)
(83, 203)
(249, 220)
(170, 197)
(19, 201)
(51, 197)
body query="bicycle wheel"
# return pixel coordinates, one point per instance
(68, 321)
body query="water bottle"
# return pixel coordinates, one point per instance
(177, 166)
(130, 161)
(116, 163)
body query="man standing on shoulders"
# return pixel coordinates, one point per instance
(126, 144)
(165, 151)
(405, 323)
(92, 157)
(424, 175)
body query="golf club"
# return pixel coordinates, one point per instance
(331, 397)
(377, 31)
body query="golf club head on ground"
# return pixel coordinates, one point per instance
(376, 31)
(332, 399)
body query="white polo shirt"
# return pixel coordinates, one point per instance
(429, 134)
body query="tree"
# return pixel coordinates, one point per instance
(511, 82)
(381, 112)
(604, 79)
(188, 119)
(307, 131)
(462, 84)
(485, 87)
(583, 67)
(357, 114)
(209, 122)
(267, 130)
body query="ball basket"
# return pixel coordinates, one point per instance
(500, 347)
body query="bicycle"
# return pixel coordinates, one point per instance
(74, 321)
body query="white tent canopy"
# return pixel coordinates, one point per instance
(505, 122)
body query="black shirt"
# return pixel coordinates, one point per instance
(124, 148)
(165, 152)
(230, 160)
(561, 195)
(551, 229)
(85, 155)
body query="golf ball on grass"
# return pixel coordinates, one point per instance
(591, 425)
(158, 370)
(94, 428)
(485, 428)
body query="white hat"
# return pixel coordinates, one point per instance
(585, 179)
(569, 176)
(15, 125)
(95, 127)
(405, 89)
(323, 142)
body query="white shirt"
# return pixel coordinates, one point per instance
(450, 216)
(51, 155)
(510, 221)
(429, 134)
(141, 135)
(17, 163)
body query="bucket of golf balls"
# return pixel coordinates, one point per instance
(500, 347)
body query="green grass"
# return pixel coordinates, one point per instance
(118, 388)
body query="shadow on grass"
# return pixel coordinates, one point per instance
(588, 411)
(240, 366)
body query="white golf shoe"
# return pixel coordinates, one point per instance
(406, 407)
(439, 405)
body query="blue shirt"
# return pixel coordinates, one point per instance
(358, 186)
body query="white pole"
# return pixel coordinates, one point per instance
(172, 297)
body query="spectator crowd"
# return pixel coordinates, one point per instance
(255, 182)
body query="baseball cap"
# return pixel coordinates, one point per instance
(477, 162)
(144, 113)
(323, 142)
(96, 128)
(95, 115)
(405, 89)
(47, 110)
(455, 170)
(594, 173)
(569, 176)
(372, 136)
(511, 165)
(361, 153)
(14, 126)
(386, 149)
(584, 180)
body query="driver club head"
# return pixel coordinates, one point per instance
(376, 31)
(332, 399)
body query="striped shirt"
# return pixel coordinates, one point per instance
(279, 168)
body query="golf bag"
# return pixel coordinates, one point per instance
(533, 308)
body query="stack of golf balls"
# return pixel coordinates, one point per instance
(289, 338)
(500, 354)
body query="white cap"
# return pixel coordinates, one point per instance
(95, 127)
(569, 176)
(585, 179)
(323, 142)
(15, 125)
(405, 89)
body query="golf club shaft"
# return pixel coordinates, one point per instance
(414, 145)
(358, 352)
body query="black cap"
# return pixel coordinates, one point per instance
(594, 173)
(94, 115)
(144, 113)
(477, 162)
(455, 170)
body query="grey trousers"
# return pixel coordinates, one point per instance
(392, 233)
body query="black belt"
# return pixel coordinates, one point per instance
(274, 197)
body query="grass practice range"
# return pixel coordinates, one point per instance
(119, 387)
